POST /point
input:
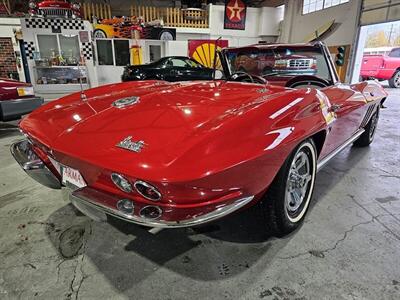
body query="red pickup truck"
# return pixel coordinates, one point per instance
(16, 99)
(382, 67)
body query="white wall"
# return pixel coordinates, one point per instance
(178, 48)
(262, 24)
(269, 20)
(108, 74)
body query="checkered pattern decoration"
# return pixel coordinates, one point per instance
(69, 24)
(87, 51)
(29, 49)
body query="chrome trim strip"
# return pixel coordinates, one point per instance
(33, 166)
(326, 159)
(80, 196)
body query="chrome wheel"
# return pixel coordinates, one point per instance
(299, 183)
(396, 80)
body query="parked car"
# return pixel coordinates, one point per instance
(16, 99)
(275, 62)
(163, 154)
(55, 9)
(382, 67)
(170, 68)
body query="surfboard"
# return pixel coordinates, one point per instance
(319, 32)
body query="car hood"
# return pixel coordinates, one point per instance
(170, 118)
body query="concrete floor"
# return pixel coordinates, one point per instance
(348, 247)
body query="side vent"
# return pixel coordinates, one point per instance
(368, 115)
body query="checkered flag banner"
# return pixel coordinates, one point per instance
(29, 49)
(43, 23)
(87, 51)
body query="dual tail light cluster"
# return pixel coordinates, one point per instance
(145, 189)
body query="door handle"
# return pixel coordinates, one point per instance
(335, 108)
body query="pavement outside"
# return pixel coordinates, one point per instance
(348, 247)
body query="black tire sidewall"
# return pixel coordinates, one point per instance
(100, 30)
(391, 80)
(283, 223)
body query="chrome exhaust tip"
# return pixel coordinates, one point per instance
(150, 212)
(125, 206)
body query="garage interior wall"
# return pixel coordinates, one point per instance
(379, 11)
(296, 26)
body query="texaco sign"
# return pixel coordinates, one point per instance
(235, 15)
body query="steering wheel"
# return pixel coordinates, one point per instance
(246, 77)
(307, 81)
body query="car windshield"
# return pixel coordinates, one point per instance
(279, 61)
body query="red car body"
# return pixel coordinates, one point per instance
(201, 150)
(16, 99)
(382, 67)
(55, 9)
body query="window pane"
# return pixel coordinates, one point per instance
(335, 2)
(305, 9)
(328, 3)
(70, 48)
(178, 62)
(193, 64)
(344, 1)
(312, 7)
(122, 56)
(104, 52)
(319, 5)
(47, 45)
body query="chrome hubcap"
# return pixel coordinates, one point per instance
(298, 182)
(397, 79)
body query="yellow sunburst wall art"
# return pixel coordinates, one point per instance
(203, 51)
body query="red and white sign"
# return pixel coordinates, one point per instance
(72, 177)
(235, 14)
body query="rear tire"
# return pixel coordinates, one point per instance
(99, 34)
(287, 199)
(394, 82)
(368, 136)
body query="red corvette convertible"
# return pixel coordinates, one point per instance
(181, 154)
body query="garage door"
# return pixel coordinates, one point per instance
(379, 11)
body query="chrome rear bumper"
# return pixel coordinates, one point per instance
(33, 165)
(92, 203)
(98, 204)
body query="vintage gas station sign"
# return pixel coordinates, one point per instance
(235, 15)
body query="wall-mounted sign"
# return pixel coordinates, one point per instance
(235, 14)
(84, 36)
(203, 51)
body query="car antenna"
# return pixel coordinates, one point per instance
(215, 57)
(83, 95)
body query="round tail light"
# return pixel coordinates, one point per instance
(150, 212)
(121, 182)
(147, 190)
